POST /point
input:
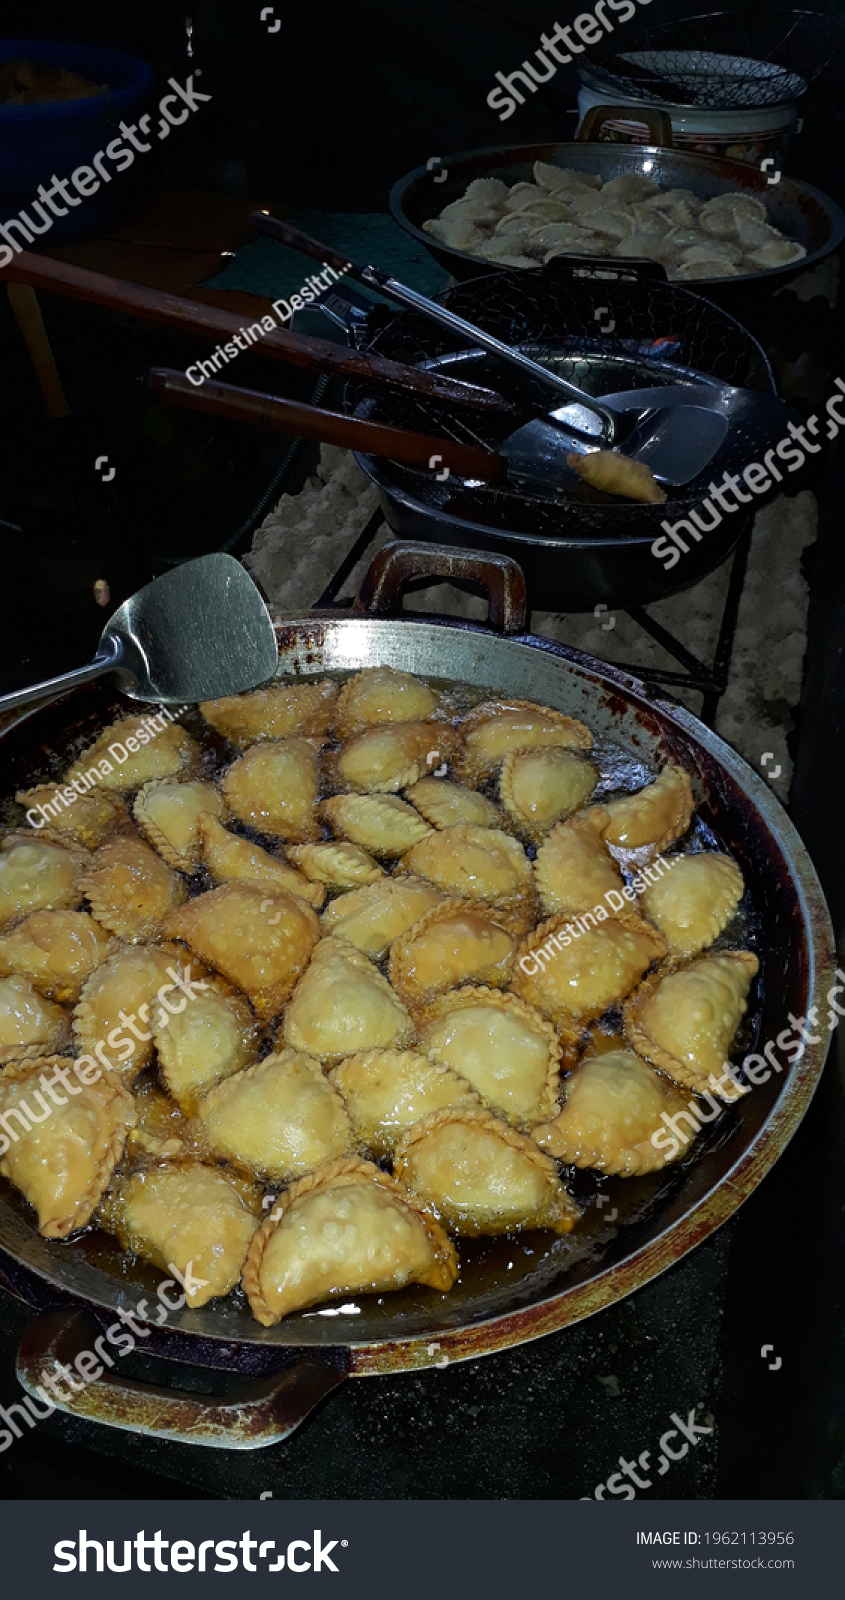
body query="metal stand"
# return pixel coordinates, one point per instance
(711, 681)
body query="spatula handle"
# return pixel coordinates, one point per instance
(52, 688)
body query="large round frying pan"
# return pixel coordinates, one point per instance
(800, 211)
(510, 1290)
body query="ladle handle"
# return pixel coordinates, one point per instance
(52, 688)
(392, 289)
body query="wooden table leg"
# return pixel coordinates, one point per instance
(27, 313)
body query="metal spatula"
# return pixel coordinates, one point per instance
(676, 447)
(196, 633)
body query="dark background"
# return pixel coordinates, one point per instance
(328, 112)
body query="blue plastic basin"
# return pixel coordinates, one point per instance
(39, 141)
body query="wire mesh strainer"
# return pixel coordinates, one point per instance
(722, 60)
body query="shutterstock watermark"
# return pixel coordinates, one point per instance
(84, 180)
(85, 1068)
(631, 1475)
(758, 1068)
(590, 27)
(89, 1365)
(790, 452)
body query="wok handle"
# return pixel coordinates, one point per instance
(659, 124)
(403, 560)
(255, 1415)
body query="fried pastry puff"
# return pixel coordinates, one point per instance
(383, 694)
(476, 863)
(456, 942)
(574, 977)
(694, 901)
(384, 759)
(55, 950)
(274, 788)
(260, 941)
(684, 1021)
(131, 753)
(612, 1104)
(340, 865)
(38, 875)
(130, 889)
(444, 804)
(503, 1047)
(122, 991)
(88, 820)
(497, 726)
(184, 1215)
(372, 917)
(345, 1229)
(279, 1119)
(168, 813)
(380, 823)
(617, 474)
(343, 1004)
(574, 870)
(540, 787)
(61, 1157)
(232, 859)
(387, 1091)
(29, 1024)
(648, 821)
(213, 1037)
(284, 710)
(481, 1176)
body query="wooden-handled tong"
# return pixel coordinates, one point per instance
(210, 322)
(330, 427)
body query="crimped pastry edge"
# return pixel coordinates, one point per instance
(315, 723)
(327, 810)
(346, 725)
(473, 996)
(228, 1085)
(429, 811)
(386, 1146)
(600, 1155)
(96, 878)
(630, 920)
(180, 861)
(673, 832)
(398, 949)
(444, 1266)
(433, 1121)
(641, 1041)
(308, 830)
(523, 825)
(719, 919)
(115, 1145)
(309, 892)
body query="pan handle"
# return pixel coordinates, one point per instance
(254, 1415)
(404, 560)
(658, 122)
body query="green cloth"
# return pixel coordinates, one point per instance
(267, 268)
